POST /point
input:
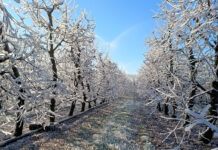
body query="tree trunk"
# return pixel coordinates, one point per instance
(171, 79)
(193, 74)
(84, 100)
(95, 101)
(174, 106)
(208, 133)
(53, 101)
(90, 106)
(83, 106)
(165, 108)
(190, 104)
(19, 121)
(158, 107)
(73, 105)
(52, 108)
(54, 67)
(89, 90)
(77, 80)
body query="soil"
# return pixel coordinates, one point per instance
(127, 124)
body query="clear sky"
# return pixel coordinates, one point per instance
(121, 28)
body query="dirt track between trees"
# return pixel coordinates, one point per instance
(117, 126)
(126, 124)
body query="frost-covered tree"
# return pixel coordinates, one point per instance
(54, 24)
(48, 62)
(82, 54)
(182, 63)
(16, 48)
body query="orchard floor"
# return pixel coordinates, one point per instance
(126, 124)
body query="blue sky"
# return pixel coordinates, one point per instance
(121, 28)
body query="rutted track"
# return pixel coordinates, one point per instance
(116, 126)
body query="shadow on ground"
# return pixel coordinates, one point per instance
(117, 126)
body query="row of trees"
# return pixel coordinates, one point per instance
(180, 72)
(49, 63)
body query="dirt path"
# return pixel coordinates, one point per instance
(117, 126)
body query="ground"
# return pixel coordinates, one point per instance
(126, 124)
